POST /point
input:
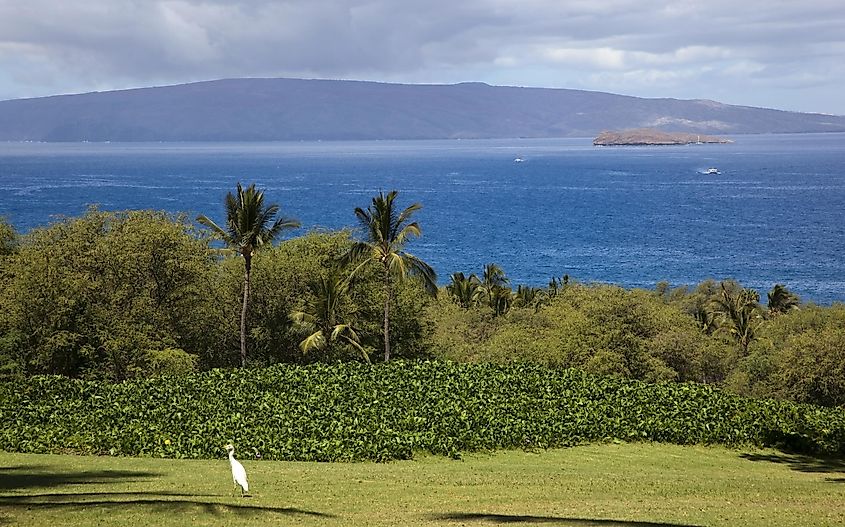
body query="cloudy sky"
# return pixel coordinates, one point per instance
(787, 54)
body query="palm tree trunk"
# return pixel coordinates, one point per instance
(386, 315)
(247, 269)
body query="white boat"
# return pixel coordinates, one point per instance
(712, 171)
(518, 160)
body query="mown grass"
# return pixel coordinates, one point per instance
(619, 485)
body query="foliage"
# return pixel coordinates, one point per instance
(386, 232)
(280, 284)
(323, 319)
(8, 238)
(123, 295)
(800, 355)
(782, 300)
(250, 226)
(463, 290)
(90, 296)
(385, 411)
(171, 361)
(604, 329)
(740, 314)
(493, 290)
(282, 280)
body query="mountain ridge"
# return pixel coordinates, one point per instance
(280, 109)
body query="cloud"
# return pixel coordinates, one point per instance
(787, 50)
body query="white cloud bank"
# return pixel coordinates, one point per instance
(777, 53)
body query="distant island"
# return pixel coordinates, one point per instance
(651, 136)
(335, 110)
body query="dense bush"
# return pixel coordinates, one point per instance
(94, 296)
(601, 328)
(799, 356)
(8, 238)
(387, 411)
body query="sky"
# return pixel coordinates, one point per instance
(786, 54)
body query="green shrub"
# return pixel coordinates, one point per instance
(389, 411)
(85, 296)
(601, 328)
(170, 361)
(800, 355)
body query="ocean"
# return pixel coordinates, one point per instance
(631, 216)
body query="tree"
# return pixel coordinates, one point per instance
(8, 238)
(782, 300)
(527, 296)
(323, 319)
(557, 285)
(387, 231)
(739, 311)
(109, 295)
(464, 290)
(250, 226)
(493, 289)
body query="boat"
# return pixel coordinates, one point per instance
(518, 160)
(712, 171)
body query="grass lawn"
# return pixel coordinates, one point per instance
(601, 485)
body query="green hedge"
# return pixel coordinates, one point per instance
(389, 411)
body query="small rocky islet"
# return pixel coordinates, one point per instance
(652, 137)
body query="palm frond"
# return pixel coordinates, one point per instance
(279, 226)
(314, 341)
(412, 229)
(216, 229)
(357, 345)
(419, 268)
(405, 214)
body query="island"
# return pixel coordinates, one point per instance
(651, 136)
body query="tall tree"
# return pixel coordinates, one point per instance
(250, 226)
(782, 300)
(387, 230)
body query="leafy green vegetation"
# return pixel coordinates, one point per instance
(387, 230)
(115, 296)
(251, 225)
(103, 294)
(353, 411)
(8, 238)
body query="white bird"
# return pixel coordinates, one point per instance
(238, 471)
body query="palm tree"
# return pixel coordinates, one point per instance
(557, 285)
(704, 317)
(493, 289)
(739, 311)
(250, 226)
(387, 231)
(782, 300)
(464, 290)
(527, 296)
(322, 319)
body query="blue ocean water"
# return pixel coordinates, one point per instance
(631, 216)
